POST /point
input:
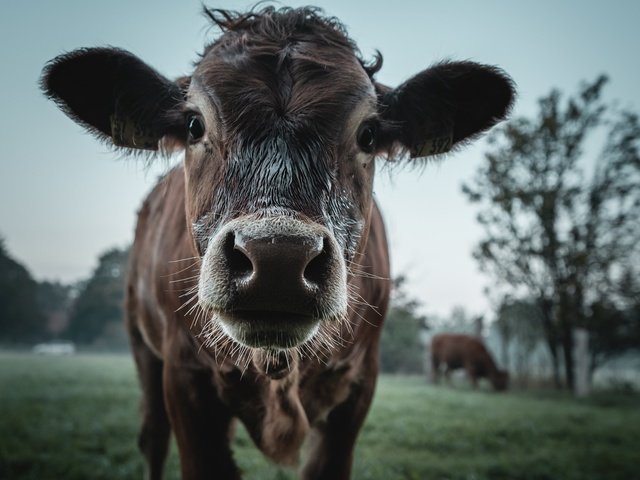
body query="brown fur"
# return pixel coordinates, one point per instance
(454, 351)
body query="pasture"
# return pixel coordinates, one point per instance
(76, 417)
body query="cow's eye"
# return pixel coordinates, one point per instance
(367, 137)
(195, 126)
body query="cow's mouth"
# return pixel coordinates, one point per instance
(268, 329)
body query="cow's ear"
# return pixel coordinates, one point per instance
(117, 97)
(442, 106)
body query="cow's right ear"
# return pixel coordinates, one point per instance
(117, 97)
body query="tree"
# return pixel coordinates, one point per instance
(20, 318)
(613, 331)
(519, 325)
(504, 325)
(458, 321)
(549, 233)
(100, 301)
(401, 349)
(54, 301)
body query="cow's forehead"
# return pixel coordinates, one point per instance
(288, 73)
(299, 94)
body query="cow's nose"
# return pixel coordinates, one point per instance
(276, 271)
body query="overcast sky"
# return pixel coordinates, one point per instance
(64, 197)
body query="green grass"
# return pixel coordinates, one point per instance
(77, 418)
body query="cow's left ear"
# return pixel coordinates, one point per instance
(442, 106)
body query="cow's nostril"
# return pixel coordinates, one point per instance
(240, 265)
(317, 270)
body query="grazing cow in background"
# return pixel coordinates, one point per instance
(273, 313)
(454, 351)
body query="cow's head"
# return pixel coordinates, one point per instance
(280, 122)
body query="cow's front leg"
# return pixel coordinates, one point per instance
(330, 449)
(201, 424)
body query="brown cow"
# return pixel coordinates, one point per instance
(258, 280)
(454, 351)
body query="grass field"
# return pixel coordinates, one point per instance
(77, 418)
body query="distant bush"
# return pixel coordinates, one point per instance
(401, 348)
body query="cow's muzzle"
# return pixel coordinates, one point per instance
(271, 281)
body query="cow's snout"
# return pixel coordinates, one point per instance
(273, 280)
(292, 267)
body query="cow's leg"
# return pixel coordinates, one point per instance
(447, 374)
(330, 450)
(153, 439)
(201, 424)
(472, 375)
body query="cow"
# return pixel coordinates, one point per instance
(259, 273)
(454, 351)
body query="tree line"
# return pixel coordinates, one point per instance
(88, 312)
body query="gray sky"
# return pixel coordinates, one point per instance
(64, 197)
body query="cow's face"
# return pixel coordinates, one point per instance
(280, 123)
(279, 166)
